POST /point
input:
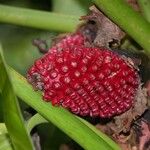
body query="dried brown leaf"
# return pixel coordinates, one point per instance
(124, 121)
(107, 31)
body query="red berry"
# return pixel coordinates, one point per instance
(87, 81)
(69, 40)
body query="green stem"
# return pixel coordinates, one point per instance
(129, 20)
(38, 19)
(145, 8)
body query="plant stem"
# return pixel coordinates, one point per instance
(38, 19)
(129, 20)
(145, 8)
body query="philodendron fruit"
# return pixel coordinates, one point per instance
(88, 81)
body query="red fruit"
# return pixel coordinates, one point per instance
(87, 81)
(69, 40)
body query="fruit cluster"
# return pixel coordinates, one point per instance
(88, 81)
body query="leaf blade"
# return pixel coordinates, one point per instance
(64, 120)
(5, 143)
(34, 121)
(12, 115)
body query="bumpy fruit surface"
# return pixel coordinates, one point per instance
(87, 81)
(68, 41)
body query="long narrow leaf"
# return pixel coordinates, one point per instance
(3, 128)
(64, 120)
(145, 8)
(5, 143)
(103, 136)
(1, 110)
(12, 115)
(34, 121)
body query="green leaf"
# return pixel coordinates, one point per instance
(3, 128)
(60, 117)
(12, 115)
(101, 135)
(145, 8)
(5, 143)
(34, 121)
(1, 110)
